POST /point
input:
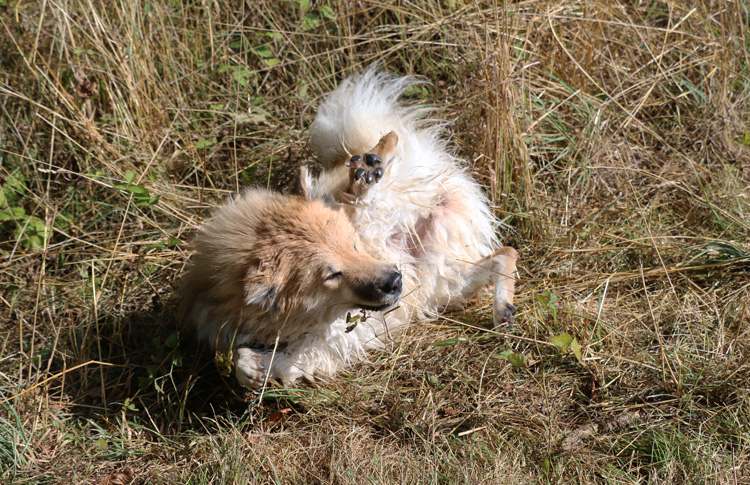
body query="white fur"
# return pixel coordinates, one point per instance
(352, 120)
(427, 215)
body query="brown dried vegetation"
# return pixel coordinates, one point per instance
(613, 138)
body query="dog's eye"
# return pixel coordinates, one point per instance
(334, 276)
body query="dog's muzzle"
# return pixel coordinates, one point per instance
(382, 292)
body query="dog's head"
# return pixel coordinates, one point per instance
(306, 258)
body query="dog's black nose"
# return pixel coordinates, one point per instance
(392, 284)
(382, 291)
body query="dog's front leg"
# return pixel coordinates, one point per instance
(498, 268)
(253, 367)
(249, 366)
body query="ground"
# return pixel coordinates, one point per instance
(613, 139)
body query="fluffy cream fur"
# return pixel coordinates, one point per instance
(426, 216)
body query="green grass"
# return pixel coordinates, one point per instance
(612, 140)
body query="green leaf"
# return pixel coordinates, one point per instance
(449, 342)
(15, 185)
(159, 245)
(144, 383)
(130, 177)
(102, 444)
(503, 355)
(241, 75)
(517, 360)
(255, 116)
(272, 62)
(137, 190)
(263, 51)
(171, 341)
(310, 21)
(327, 12)
(36, 231)
(128, 404)
(304, 5)
(562, 342)
(224, 362)
(205, 143)
(576, 348)
(12, 214)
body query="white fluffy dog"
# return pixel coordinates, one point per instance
(393, 214)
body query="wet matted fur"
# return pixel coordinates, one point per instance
(393, 225)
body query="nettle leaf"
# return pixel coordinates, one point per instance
(562, 342)
(12, 214)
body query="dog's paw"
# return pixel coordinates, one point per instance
(504, 314)
(248, 367)
(363, 172)
(367, 170)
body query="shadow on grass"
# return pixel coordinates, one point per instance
(140, 369)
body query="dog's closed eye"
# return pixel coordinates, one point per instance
(334, 276)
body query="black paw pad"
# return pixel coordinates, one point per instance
(371, 159)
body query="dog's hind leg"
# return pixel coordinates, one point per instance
(366, 171)
(498, 268)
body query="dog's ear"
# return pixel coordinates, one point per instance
(261, 292)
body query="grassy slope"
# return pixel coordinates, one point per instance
(614, 139)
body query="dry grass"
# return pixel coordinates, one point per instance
(613, 137)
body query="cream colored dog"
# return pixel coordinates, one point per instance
(394, 225)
